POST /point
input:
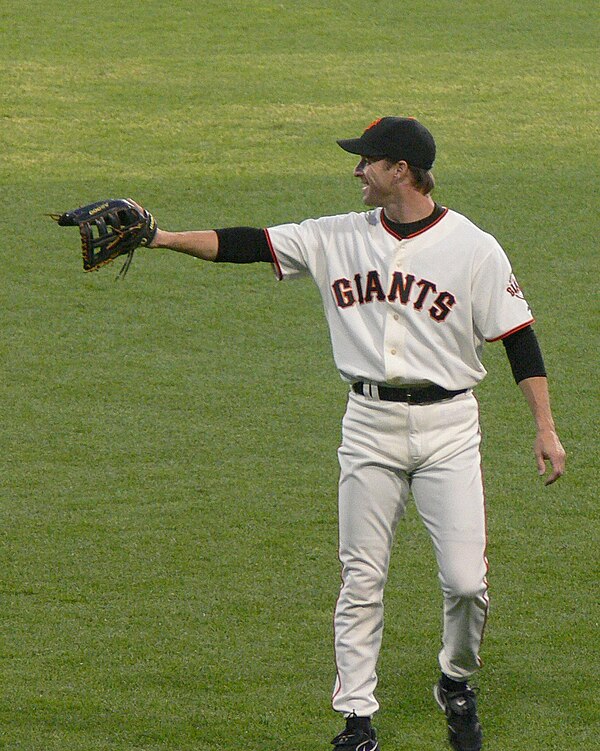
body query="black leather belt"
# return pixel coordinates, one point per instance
(415, 395)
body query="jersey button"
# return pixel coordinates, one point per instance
(393, 351)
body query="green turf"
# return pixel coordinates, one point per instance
(167, 514)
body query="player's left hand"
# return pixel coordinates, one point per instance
(109, 229)
(547, 447)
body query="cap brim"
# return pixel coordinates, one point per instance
(358, 146)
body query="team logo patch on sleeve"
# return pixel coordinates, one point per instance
(513, 288)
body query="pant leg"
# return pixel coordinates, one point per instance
(372, 499)
(449, 496)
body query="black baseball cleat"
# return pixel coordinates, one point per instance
(358, 735)
(460, 708)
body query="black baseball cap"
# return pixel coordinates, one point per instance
(399, 138)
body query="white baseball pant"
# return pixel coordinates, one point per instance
(389, 449)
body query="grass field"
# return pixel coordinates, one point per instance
(167, 511)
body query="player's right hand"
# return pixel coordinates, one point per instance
(547, 447)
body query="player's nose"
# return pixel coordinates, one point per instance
(359, 170)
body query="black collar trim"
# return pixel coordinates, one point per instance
(412, 229)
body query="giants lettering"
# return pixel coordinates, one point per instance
(403, 288)
(342, 290)
(442, 306)
(374, 287)
(426, 288)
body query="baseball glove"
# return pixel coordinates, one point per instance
(109, 229)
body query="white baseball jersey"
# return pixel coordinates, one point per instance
(405, 311)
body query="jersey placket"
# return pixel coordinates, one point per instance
(395, 329)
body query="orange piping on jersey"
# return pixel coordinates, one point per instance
(512, 331)
(277, 267)
(414, 234)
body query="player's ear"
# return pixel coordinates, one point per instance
(401, 171)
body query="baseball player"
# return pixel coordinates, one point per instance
(411, 291)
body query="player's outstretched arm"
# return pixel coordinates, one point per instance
(202, 244)
(547, 446)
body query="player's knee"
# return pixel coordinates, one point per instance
(363, 585)
(470, 593)
(464, 586)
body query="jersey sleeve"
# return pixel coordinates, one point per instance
(295, 248)
(499, 305)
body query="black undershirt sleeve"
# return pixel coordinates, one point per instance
(524, 354)
(243, 245)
